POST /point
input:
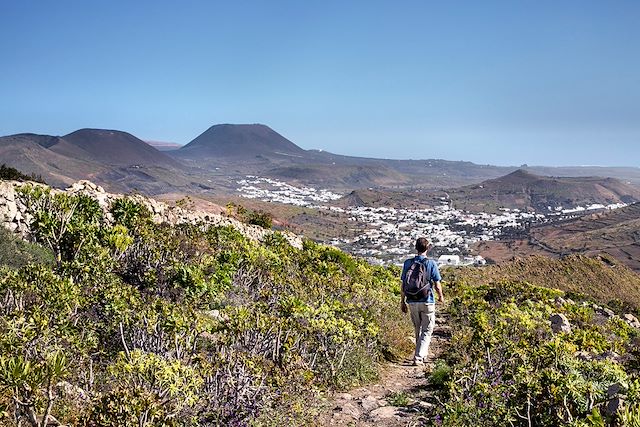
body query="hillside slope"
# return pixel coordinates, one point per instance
(526, 191)
(118, 148)
(602, 278)
(30, 153)
(116, 160)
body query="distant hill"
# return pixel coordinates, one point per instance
(116, 160)
(243, 140)
(258, 149)
(163, 145)
(524, 190)
(119, 148)
(30, 154)
(215, 160)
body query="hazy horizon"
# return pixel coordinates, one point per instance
(500, 83)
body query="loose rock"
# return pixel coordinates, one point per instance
(343, 396)
(560, 323)
(614, 406)
(351, 410)
(384, 413)
(14, 215)
(631, 320)
(369, 403)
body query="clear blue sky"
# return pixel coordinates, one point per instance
(500, 82)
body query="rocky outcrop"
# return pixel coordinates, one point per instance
(14, 214)
(631, 320)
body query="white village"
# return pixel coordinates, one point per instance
(389, 233)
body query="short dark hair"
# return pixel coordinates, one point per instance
(422, 244)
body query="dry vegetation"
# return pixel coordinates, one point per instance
(601, 278)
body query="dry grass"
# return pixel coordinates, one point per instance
(603, 278)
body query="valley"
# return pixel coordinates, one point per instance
(385, 234)
(616, 233)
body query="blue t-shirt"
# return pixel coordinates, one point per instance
(432, 272)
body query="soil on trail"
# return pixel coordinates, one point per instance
(399, 398)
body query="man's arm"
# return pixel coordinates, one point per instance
(403, 304)
(438, 287)
(435, 279)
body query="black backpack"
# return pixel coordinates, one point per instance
(417, 283)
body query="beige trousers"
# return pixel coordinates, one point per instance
(423, 316)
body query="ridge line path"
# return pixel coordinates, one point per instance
(400, 384)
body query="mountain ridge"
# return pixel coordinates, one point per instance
(226, 152)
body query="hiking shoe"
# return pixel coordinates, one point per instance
(417, 362)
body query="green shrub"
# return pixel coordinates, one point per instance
(440, 374)
(508, 368)
(183, 325)
(398, 398)
(260, 218)
(9, 173)
(129, 213)
(16, 253)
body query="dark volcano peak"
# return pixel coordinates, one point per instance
(118, 148)
(240, 140)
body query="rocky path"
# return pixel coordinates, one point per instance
(398, 399)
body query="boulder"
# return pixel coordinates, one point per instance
(631, 320)
(351, 410)
(614, 389)
(560, 323)
(11, 210)
(614, 406)
(75, 187)
(343, 396)
(369, 403)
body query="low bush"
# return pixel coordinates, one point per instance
(16, 253)
(506, 367)
(147, 324)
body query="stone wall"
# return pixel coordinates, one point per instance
(14, 215)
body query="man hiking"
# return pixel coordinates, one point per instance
(419, 276)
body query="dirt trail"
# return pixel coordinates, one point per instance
(398, 398)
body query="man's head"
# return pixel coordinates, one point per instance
(422, 245)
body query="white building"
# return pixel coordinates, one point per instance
(478, 260)
(449, 260)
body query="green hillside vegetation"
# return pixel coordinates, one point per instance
(145, 324)
(505, 366)
(127, 322)
(16, 253)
